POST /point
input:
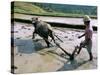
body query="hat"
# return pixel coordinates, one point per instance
(86, 18)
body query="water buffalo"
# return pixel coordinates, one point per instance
(43, 29)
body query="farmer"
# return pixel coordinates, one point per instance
(43, 29)
(88, 37)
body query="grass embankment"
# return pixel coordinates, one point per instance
(31, 9)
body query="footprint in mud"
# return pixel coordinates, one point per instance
(71, 39)
(23, 27)
(76, 35)
(72, 32)
(29, 29)
(66, 37)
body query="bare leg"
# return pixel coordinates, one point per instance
(89, 49)
(33, 36)
(79, 48)
(91, 56)
(47, 42)
(51, 35)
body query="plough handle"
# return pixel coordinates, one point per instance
(63, 49)
(59, 47)
(58, 38)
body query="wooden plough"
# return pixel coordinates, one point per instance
(71, 55)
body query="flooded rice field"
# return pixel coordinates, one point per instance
(65, 20)
(32, 55)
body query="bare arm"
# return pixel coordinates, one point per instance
(81, 36)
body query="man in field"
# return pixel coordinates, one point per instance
(88, 37)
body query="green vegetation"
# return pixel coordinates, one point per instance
(65, 8)
(23, 7)
(47, 9)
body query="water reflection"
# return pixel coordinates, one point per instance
(28, 45)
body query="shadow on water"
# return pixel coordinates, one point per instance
(72, 65)
(28, 46)
(69, 64)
